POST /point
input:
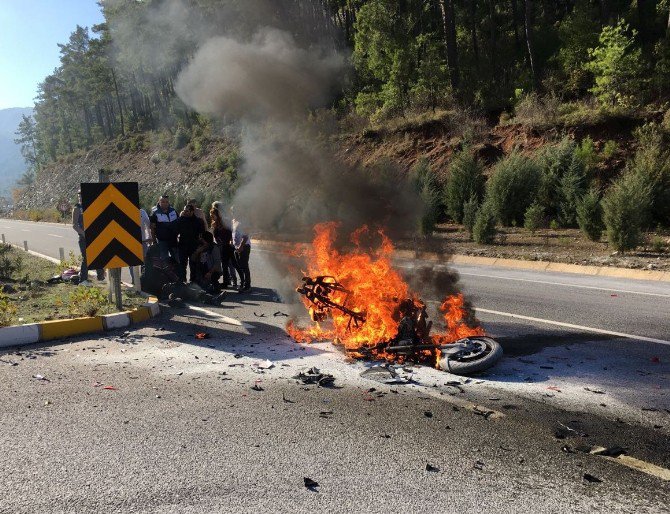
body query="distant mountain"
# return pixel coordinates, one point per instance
(12, 165)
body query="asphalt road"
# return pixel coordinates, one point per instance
(198, 426)
(632, 307)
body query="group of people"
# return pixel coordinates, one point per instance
(212, 255)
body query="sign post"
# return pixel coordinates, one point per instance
(112, 229)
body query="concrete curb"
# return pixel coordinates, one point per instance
(19, 335)
(602, 271)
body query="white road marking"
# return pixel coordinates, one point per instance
(563, 284)
(547, 282)
(633, 463)
(54, 235)
(577, 327)
(25, 230)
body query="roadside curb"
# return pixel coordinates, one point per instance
(19, 335)
(559, 267)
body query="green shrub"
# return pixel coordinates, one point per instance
(609, 150)
(465, 181)
(534, 217)
(571, 190)
(617, 66)
(10, 261)
(220, 163)
(554, 225)
(652, 162)
(86, 301)
(470, 214)
(181, 138)
(7, 311)
(425, 183)
(658, 244)
(155, 158)
(512, 188)
(590, 215)
(484, 230)
(626, 208)
(564, 178)
(586, 153)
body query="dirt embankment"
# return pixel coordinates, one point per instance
(156, 169)
(157, 166)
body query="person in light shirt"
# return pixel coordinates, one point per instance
(242, 245)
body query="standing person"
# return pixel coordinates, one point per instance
(164, 228)
(198, 213)
(189, 230)
(223, 238)
(208, 258)
(78, 226)
(145, 225)
(242, 245)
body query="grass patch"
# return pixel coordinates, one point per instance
(32, 299)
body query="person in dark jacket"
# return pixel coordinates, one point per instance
(208, 257)
(189, 230)
(164, 228)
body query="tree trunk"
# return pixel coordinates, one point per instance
(528, 24)
(604, 12)
(515, 25)
(449, 27)
(118, 100)
(667, 30)
(473, 31)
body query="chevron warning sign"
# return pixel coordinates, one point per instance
(112, 224)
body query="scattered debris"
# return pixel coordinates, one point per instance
(428, 414)
(312, 485)
(286, 400)
(261, 315)
(202, 335)
(546, 367)
(41, 377)
(256, 387)
(326, 414)
(656, 360)
(554, 388)
(389, 374)
(314, 376)
(596, 391)
(432, 469)
(479, 465)
(279, 313)
(591, 479)
(110, 388)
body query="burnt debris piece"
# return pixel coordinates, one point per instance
(314, 376)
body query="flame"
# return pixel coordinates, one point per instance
(374, 288)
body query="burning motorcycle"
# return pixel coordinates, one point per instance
(325, 297)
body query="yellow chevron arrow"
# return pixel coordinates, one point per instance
(110, 195)
(113, 231)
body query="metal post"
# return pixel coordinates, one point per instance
(25, 245)
(114, 275)
(137, 270)
(3, 239)
(61, 253)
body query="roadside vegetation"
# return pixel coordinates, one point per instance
(27, 297)
(509, 117)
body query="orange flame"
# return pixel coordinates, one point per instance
(375, 288)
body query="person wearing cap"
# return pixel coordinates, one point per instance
(242, 250)
(78, 226)
(164, 228)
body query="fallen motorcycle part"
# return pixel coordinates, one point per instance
(469, 355)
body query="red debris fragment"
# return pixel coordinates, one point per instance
(201, 335)
(110, 388)
(656, 360)
(554, 388)
(614, 295)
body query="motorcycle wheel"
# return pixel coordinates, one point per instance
(477, 354)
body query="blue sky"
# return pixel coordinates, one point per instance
(29, 33)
